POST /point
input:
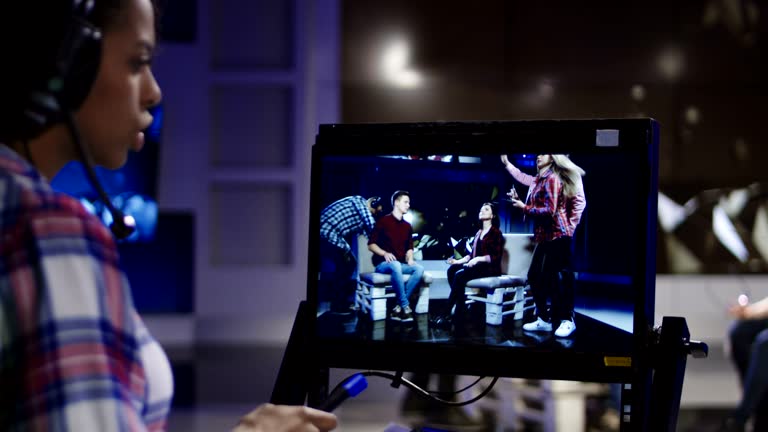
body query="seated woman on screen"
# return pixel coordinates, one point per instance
(483, 261)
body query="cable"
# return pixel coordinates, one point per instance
(122, 226)
(437, 392)
(422, 392)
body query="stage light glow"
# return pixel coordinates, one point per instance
(637, 92)
(395, 67)
(671, 63)
(671, 214)
(760, 231)
(726, 233)
(546, 90)
(692, 115)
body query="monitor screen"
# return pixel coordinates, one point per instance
(495, 233)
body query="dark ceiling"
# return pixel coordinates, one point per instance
(697, 66)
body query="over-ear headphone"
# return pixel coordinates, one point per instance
(74, 71)
(77, 64)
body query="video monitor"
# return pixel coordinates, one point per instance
(484, 281)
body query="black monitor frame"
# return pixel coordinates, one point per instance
(637, 137)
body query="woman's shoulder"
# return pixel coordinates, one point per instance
(30, 205)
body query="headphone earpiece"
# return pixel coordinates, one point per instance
(72, 76)
(74, 72)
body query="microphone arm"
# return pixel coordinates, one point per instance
(122, 226)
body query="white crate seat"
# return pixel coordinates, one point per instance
(375, 288)
(506, 294)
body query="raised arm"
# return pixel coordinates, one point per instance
(518, 175)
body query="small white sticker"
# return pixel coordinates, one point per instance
(607, 138)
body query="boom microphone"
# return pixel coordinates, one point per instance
(122, 225)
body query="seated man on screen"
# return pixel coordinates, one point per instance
(392, 245)
(341, 221)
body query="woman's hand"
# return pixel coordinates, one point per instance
(284, 418)
(517, 203)
(473, 262)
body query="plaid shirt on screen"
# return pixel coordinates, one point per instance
(547, 207)
(344, 218)
(74, 354)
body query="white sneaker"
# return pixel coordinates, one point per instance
(566, 328)
(538, 325)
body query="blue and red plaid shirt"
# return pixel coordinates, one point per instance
(547, 206)
(574, 205)
(74, 354)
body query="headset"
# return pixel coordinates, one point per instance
(76, 67)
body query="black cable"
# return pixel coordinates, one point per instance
(425, 393)
(121, 227)
(437, 392)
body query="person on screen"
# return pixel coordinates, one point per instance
(392, 245)
(748, 339)
(556, 202)
(483, 261)
(340, 223)
(74, 353)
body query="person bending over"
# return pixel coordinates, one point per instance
(340, 223)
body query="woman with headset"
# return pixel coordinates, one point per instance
(77, 84)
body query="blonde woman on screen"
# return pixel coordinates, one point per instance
(555, 202)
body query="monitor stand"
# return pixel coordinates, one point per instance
(670, 347)
(298, 384)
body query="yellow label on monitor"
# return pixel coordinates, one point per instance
(618, 361)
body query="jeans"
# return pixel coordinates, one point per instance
(397, 269)
(749, 346)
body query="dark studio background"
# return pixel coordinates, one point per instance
(698, 67)
(246, 84)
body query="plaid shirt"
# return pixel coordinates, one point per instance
(574, 206)
(548, 209)
(74, 354)
(344, 218)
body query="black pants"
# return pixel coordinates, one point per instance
(551, 279)
(458, 276)
(749, 347)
